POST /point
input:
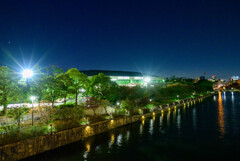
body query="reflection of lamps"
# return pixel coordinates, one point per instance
(32, 98)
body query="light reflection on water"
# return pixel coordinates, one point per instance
(221, 115)
(232, 97)
(194, 119)
(168, 118)
(209, 128)
(151, 127)
(119, 140)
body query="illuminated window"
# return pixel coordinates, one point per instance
(138, 77)
(123, 78)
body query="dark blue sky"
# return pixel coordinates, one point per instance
(163, 37)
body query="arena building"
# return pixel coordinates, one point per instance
(127, 78)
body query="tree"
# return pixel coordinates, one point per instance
(54, 71)
(9, 89)
(52, 89)
(105, 104)
(138, 97)
(93, 103)
(38, 86)
(99, 86)
(204, 86)
(80, 81)
(17, 113)
(66, 84)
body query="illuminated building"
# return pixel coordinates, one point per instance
(126, 78)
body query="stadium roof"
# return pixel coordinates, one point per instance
(114, 73)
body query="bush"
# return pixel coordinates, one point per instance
(135, 112)
(96, 119)
(11, 134)
(63, 113)
(65, 124)
(67, 105)
(119, 112)
(145, 111)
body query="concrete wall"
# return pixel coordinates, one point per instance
(34, 146)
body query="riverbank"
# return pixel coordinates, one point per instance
(34, 146)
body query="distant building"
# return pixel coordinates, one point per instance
(234, 78)
(200, 78)
(214, 77)
(126, 78)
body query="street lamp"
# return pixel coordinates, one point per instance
(82, 90)
(32, 98)
(27, 73)
(147, 80)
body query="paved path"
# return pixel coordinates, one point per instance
(29, 105)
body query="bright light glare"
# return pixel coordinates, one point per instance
(32, 98)
(82, 90)
(27, 73)
(147, 79)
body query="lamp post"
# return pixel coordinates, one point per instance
(26, 74)
(32, 98)
(82, 90)
(147, 80)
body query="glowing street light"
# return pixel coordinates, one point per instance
(27, 73)
(32, 99)
(147, 79)
(82, 90)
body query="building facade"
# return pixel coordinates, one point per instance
(126, 78)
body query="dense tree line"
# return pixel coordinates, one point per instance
(53, 84)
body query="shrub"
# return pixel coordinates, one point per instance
(66, 124)
(10, 134)
(17, 113)
(69, 104)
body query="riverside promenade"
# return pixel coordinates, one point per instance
(37, 145)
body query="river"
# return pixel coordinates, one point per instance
(209, 130)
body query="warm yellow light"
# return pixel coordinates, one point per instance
(87, 128)
(88, 147)
(169, 109)
(162, 111)
(143, 117)
(153, 113)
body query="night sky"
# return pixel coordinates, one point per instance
(163, 37)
